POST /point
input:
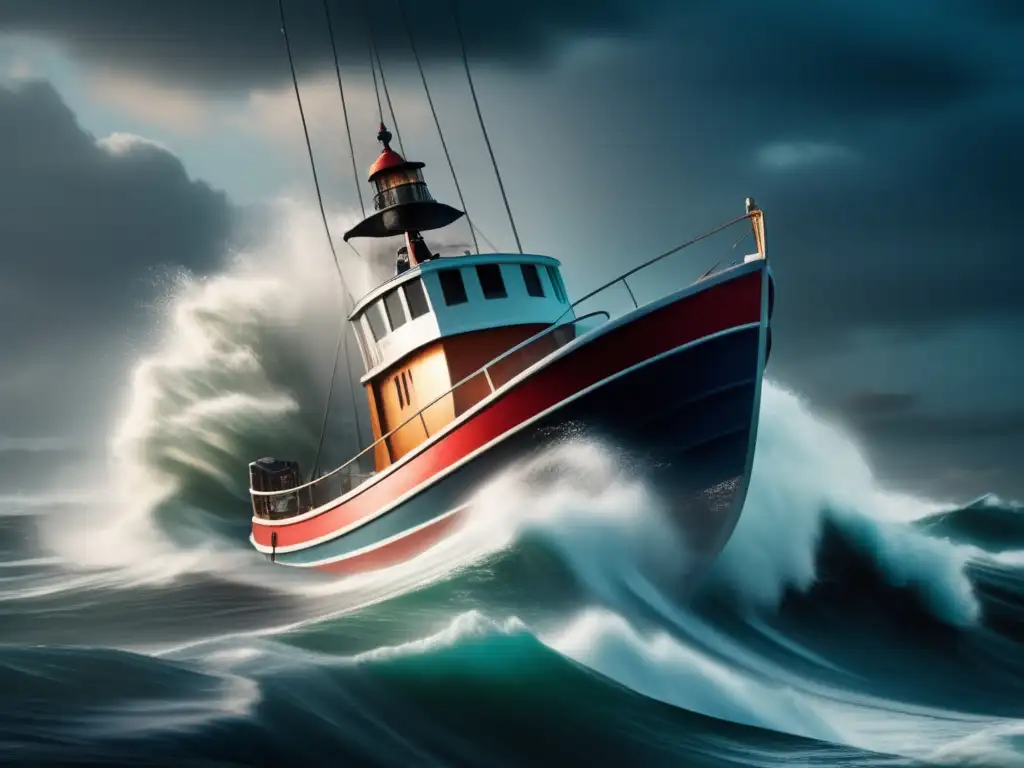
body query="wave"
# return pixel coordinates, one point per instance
(808, 474)
(238, 374)
(837, 606)
(989, 523)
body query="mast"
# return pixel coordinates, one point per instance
(402, 205)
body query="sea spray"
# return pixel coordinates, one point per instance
(158, 551)
(807, 471)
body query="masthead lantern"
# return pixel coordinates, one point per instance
(402, 203)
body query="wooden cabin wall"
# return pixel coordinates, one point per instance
(511, 366)
(429, 372)
(468, 352)
(380, 454)
(424, 374)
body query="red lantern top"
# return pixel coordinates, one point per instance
(389, 160)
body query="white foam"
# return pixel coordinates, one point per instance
(581, 499)
(465, 626)
(806, 470)
(661, 667)
(195, 400)
(996, 746)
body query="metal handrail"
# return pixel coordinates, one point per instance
(419, 414)
(622, 278)
(484, 369)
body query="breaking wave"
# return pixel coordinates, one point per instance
(843, 623)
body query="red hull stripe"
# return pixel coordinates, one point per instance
(397, 551)
(722, 306)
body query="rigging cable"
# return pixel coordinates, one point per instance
(437, 121)
(344, 109)
(375, 51)
(483, 128)
(373, 70)
(343, 337)
(481, 233)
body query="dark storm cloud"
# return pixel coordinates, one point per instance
(88, 234)
(948, 428)
(906, 234)
(874, 404)
(891, 196)
(825, 56)
(232, 43)
(1000, 11)
(922, 235)
(900, 417)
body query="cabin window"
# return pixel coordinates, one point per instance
(398, 389)
(556, 284)
(491, 282)
(366, 340)
(416, 298)
(405, 385)
(376, 320)
(366, 343)
(394, 309)
(452, 287)
(532, 279)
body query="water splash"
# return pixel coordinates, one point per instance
(807, 472)
(234, 375)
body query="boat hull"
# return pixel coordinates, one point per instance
(676, 384)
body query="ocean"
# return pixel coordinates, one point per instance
(843, 625)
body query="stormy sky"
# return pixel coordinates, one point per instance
(882, 139)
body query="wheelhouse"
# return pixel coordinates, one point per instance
(429, 327)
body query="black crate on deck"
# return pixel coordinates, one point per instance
(269, 474)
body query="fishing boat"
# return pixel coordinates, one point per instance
(473, 362)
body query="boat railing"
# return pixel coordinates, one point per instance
(487, 379)
(290, 502)
(753, 215)
(493, 375)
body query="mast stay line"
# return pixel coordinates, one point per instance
(344, 109)
(437, 120)
(343, 336)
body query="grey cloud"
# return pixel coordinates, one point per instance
(951, 427)
(1000, 11)
(921, 238)
(874, 404)
(236, 43)
(818, 58)
(904, 222)
(912, 233)
(89, 234)
(959, 455)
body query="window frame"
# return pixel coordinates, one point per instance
(375, 310)
(556, 284)
(491, 270)
(403, 318)
(421, 295)
(463, 295)
(534, 285)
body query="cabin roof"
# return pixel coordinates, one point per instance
(449, 262)
(389, 160)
